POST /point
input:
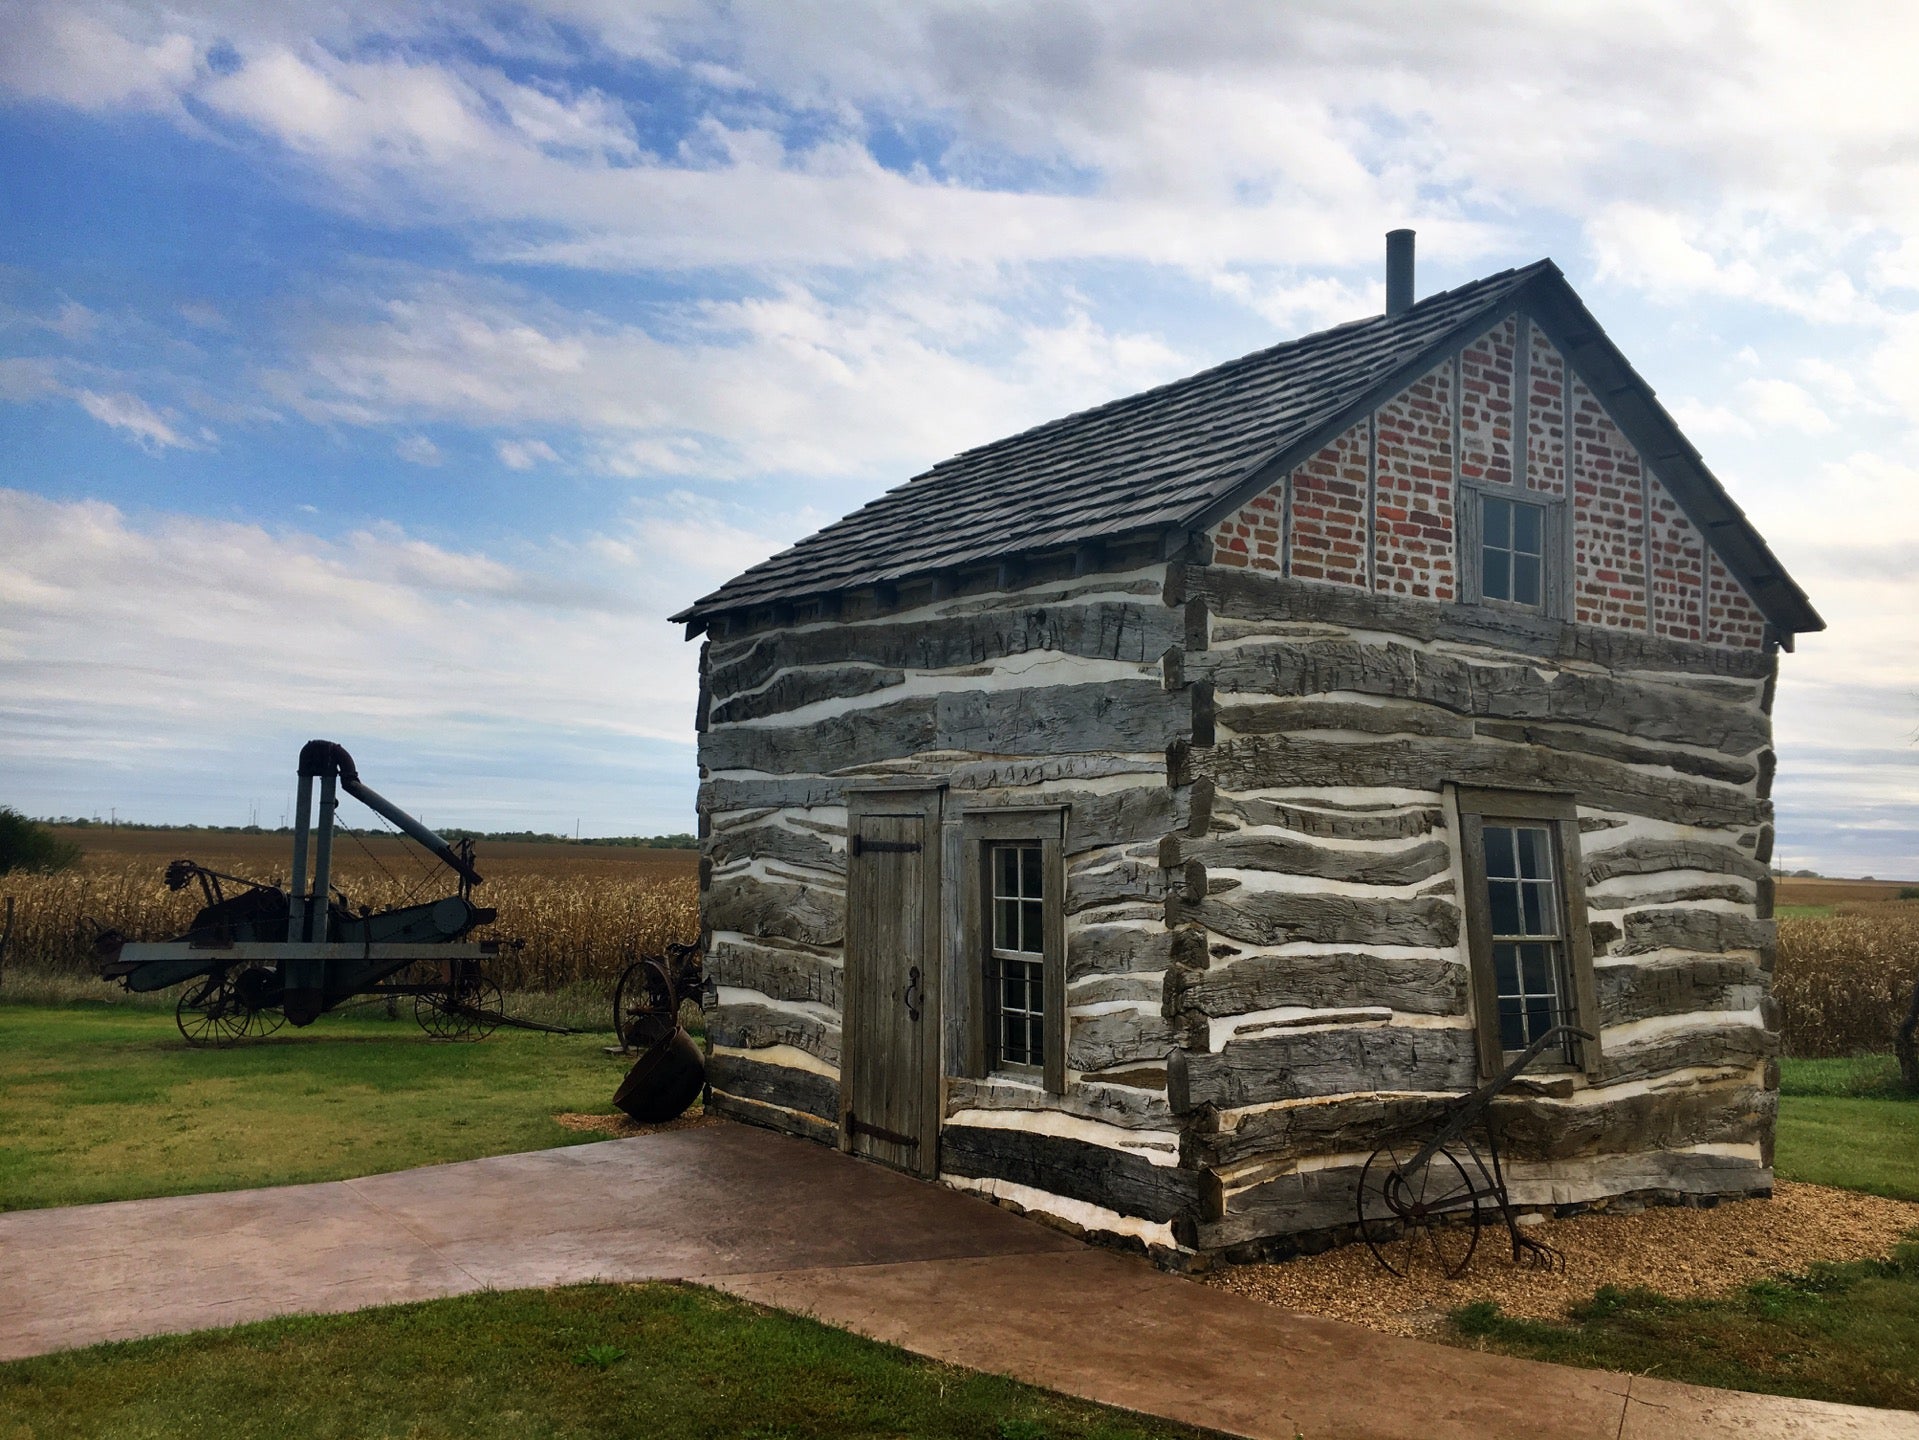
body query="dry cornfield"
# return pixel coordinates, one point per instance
(581, 911)
(1843, 981)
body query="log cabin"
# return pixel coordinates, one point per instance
(1137, 819)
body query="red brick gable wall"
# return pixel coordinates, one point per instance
(1377, 507)
(1413, 489)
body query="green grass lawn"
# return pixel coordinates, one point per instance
(1842, 1332)
(1847, 1333)
(1847, 1123)
(587, 1361)
(109, 1103)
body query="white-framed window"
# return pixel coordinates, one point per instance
(1530, 949)
(1016, 984)
(1015, 1008)
(1512, 551)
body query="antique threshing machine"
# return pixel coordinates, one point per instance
(257, 955)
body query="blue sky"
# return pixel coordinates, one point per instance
(389, 373)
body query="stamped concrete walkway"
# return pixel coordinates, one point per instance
(800, 1227)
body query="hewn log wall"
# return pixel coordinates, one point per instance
(1320, 985)
(1056, 694)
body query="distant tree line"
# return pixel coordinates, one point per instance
(27, 845)
(630, 842)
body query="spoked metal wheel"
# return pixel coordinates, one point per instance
(257, 990)
(645, 1009)
(467, 1010)
(1423, 1222)
(208, 1012)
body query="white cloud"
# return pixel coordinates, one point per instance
(418, 450)
(152, 429)
(56, 53)
(124, 641)
(525, 454)
(1776, 404)
(797, 382)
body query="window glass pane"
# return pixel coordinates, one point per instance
(1537, 969)
(1497, 523)
(1029, 871)
(1512, 1025)
(1535, 853)
(1539, 1016)
(1006, 924)
(1503, 900)
(1032, 935)
(1495, 574)
(1525, 586)
(1006, 870)
(1506, 968)
(1526, 529)
(1499, 851)
(1538, 910)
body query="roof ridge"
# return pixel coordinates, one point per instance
(1220, 369)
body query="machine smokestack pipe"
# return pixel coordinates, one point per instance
(1399, 272)
(379, 804)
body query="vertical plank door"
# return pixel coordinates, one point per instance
(892, 985)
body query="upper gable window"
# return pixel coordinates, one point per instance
(1512, 551)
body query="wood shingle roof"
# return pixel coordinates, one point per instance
(1178, 456)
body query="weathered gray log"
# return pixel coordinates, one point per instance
(1100, 630)
(1258, 596)
(1117, 1037)
(1017, 773)
(1275, 853)
(721, 797)
(786, 1086)
(771, 1117)
(776, 842)
(1533, 1129)
(1128, 1106)
(1645, 1172)
(1695, 1047)
(1256, 762)
(1293, 1065)
(1285, 716)
(1135, 715)
(1327, 822)
(777, 970)
(754, 1027)
(1275, 917)
(804, 687)
(1649, 857)
(1607, 747)
(1489, 692)
(1096, 820)
(1112, 1179)
(1297, 1202)
(1712, 932)
(1735, 890)
(1097, 989)
(1116, 950)
(811, 914)
(1321, 982)
(1530, 1128)
(1103, 880)
(1355, 1124)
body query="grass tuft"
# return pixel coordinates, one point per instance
(1844, 1333)
(507, 1364)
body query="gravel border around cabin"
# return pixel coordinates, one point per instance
(1681, 1252)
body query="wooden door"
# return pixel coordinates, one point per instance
(889, 1088)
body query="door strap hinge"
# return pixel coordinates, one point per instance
(856, 1126)
(862, 846)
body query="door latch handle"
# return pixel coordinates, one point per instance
(912, 994)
